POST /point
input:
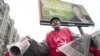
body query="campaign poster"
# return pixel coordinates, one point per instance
(70, 14)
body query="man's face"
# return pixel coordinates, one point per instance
(77, 11)
(55, 24)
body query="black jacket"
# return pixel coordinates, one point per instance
(76, 19)
(36, 49)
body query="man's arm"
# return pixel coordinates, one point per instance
(44, 48)
(37, 49)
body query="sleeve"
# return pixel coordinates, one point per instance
(93, 49)
(70, 33)
(48, 39)
(37, 49)
(7, 54)
(44, 47)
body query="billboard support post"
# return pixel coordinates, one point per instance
(80, 29)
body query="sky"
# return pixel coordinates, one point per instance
(25, 14)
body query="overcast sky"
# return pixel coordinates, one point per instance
(25, 13)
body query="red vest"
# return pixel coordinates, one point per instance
(56, 39)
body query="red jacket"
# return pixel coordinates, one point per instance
(98, 53)
(56, 39)
(7, 54)
(94, 51)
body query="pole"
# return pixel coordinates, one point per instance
(86, 41)
(80, 29)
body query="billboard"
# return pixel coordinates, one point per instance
(70, 14)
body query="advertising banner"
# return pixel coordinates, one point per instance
(69, 14)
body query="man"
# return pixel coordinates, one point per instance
(79, 17)
(57, 37)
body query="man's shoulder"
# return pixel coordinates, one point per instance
(50, 32)
(65, 28)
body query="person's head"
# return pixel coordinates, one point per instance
(55, 23)
(77, 10)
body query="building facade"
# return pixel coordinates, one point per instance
(8, 34)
